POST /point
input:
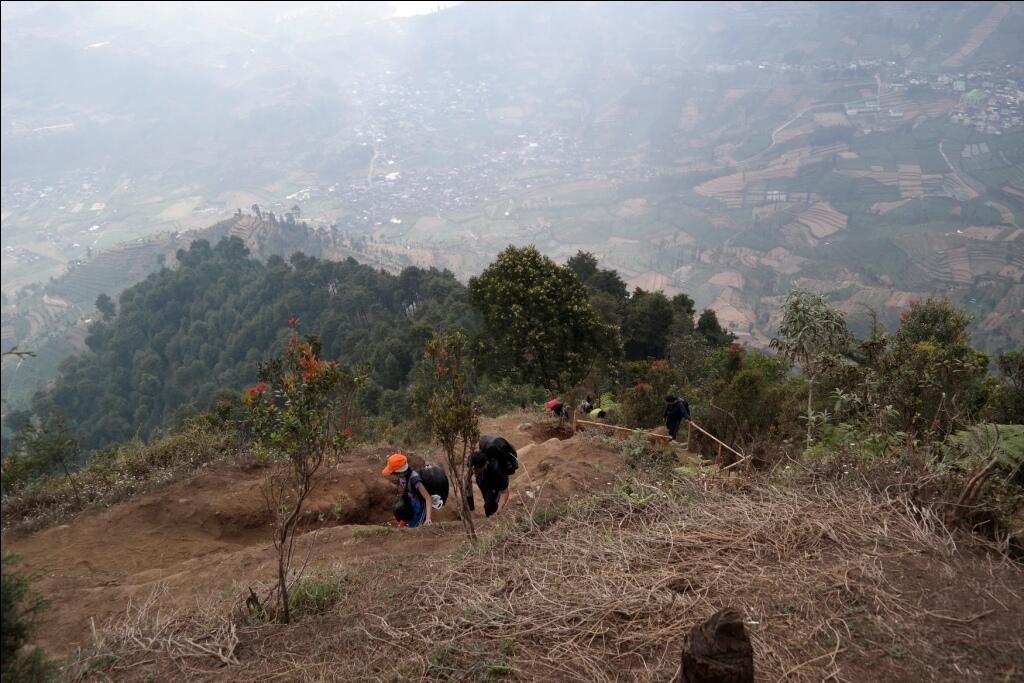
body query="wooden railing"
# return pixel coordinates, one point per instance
(690, 426)
(617, 428)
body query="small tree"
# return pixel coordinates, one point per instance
(46, 447)
(810, 330)
(1011, 364)
(931, 371)
(297, 414)
(453, 416)
(105, 305)
(709, 328)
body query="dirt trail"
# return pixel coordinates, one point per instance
(209, 536)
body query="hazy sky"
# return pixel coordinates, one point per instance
(411, 7)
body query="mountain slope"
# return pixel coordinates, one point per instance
(601, 577)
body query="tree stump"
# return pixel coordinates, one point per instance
(718, 651)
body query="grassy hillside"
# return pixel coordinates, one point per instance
(597, 568)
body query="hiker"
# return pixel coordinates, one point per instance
(586, 406)
(597, 414)
(555, 406)
(676, 410)
(414, 502)
(491, 465)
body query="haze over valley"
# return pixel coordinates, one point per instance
(872, 151)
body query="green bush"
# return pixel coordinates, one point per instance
(315, 594)
(851, 441)
(643, 403)
(20, 607)
(642, 406)
(639, 454)
(545, 518)
(499, 396)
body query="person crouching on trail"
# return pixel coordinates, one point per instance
(555, 406)
(414, 504)
(676, 410)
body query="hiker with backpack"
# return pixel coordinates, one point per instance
(676, 410)
(420, 491)
(491, 466)
(555, 406)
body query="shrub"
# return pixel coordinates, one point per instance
(20, 607)
(639, 454)
(931, 370)
(498, 396)
(298, 413)
(852, 442)
(315, 594)
(545, 518)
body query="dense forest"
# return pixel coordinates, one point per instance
(184, 334)
(193, 334)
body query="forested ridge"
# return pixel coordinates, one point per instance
(191, 335)
(184, 334)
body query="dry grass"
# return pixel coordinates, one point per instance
(835, 585)
(607, 593)
(191, 643)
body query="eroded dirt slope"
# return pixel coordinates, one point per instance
(209, 535)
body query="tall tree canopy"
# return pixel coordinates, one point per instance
(538, 323)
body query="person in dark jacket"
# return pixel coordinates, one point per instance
(676, 410)
(492, 465)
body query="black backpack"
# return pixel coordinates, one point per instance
(502, 452)
(435, 481)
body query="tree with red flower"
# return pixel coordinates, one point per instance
(296, 426)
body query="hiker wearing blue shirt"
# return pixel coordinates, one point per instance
(676, 410)
(414, 505)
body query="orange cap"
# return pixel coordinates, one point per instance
(396, 462)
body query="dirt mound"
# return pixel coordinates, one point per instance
(555, 464)
(556, 470)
